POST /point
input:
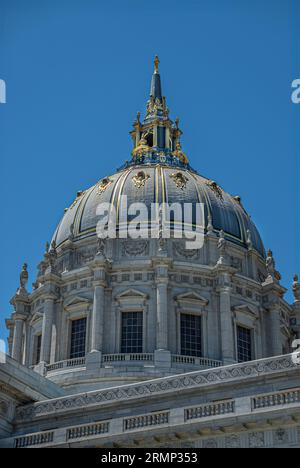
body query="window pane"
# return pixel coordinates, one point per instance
(191, 335)
(78, 337)
(38, 349)
(132, 332)
(244, 344)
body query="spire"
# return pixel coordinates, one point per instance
(156, 138)
(155, 91)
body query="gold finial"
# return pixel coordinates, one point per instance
(156, 63)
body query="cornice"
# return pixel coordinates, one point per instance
(160, 387)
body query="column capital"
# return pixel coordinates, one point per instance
(19, 316)
(49, 297)
(161, 281)
(99, 283)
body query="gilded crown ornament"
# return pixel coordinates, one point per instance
(140, 179)
(180, 180)
(78, 197)
(103, 185)
(215, 188)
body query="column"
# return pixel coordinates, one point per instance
(155, 142)
(275, 338)
(97, 317)
(167, 137)
(47, 330)
(162, 315)
(227, 335)
(18, 339)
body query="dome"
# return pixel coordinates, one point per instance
(157, 183)
(159, 172)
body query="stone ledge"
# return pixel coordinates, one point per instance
(163, 386)
(212, 419)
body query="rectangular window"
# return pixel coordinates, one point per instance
(132, 332)
(38, 349)
(78, 338)
(190, 328)
(244, 344)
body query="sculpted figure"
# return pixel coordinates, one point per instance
(296, 288)
(24, 277)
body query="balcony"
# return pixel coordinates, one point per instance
(134, 360)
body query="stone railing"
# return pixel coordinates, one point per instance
(195, 361)
(212, 409)
(134, 358)
(88, 430)
(31, 440)
(77, 362)
(143, 357)
(285, 397)
(152, 419)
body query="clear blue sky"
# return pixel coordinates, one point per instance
(78, 71)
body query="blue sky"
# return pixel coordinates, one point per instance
(78, 71)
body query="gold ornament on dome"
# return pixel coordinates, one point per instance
(140, 179)
(215, 188)
(79, 196)
(178, 153)
(180, 180)
(142, 147)
(103, 185)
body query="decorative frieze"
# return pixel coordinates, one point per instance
(135, 248)
(181, 252)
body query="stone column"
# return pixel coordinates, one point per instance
(47, 329)
(94, 358)
(227, 331)
(162, 357)
(274, 332)
(162, 315)
(18, 338)
(97, 317)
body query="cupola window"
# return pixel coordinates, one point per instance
(244, 344)
(191, 331)
(132, 332)
(38, 345)
(78, 338)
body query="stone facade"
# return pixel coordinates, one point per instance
(249, 405)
